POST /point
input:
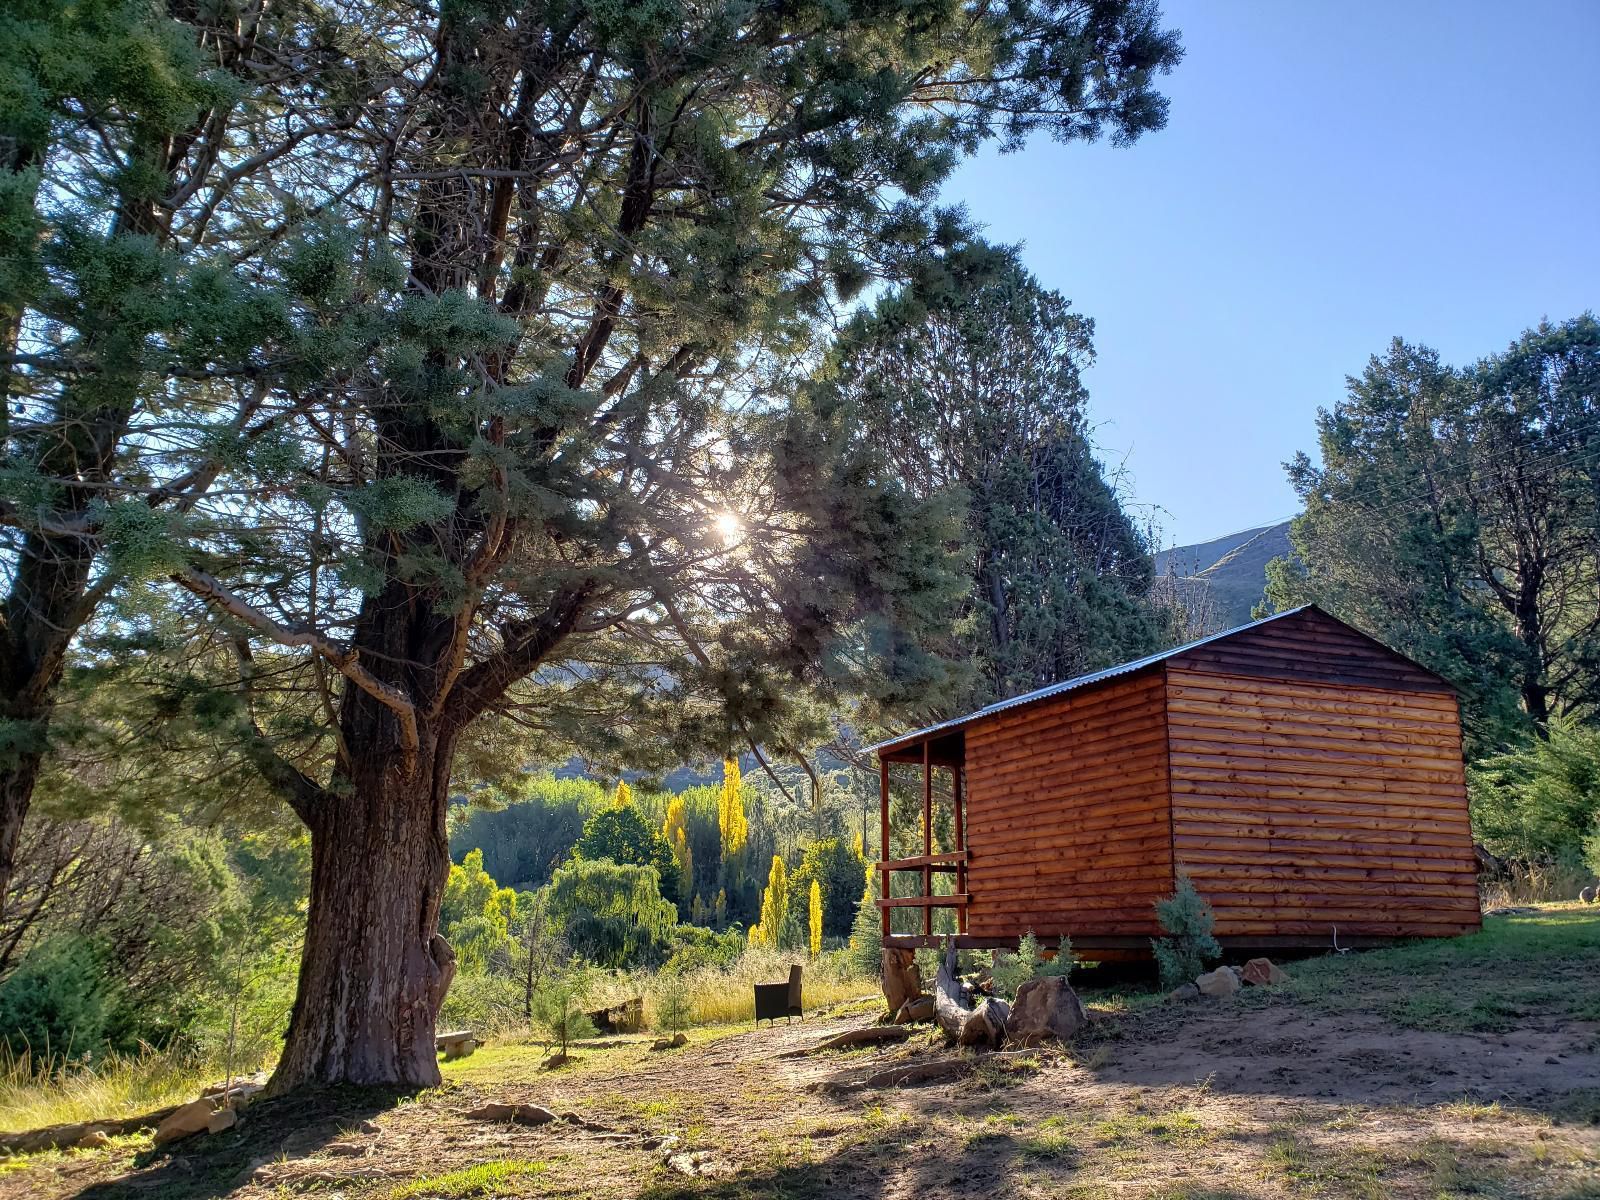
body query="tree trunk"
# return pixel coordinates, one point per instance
(374, 970)
(37, 622)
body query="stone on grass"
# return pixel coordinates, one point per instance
(670, 1043)
(223, 1118)
(1221, 982)
(1045, 1009)
(189, 1119)
(914, 1011)
(1262, 972)
(1183, 992)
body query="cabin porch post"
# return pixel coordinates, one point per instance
(927, 836)
(883, 833)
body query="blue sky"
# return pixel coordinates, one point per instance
(1331, 175)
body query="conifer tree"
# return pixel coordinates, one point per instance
(540, 296)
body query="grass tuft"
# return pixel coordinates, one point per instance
(485, 1179)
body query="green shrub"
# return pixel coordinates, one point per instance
(484, 1003)
(674, 1006)
(1011, 970)
(1187, 919)
(558, 1007)
(1540, 802)
(57, 1003)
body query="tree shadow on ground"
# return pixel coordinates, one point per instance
(208, 1166)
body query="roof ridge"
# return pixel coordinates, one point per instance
(1077, 681)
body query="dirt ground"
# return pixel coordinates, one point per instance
(1288, 1095)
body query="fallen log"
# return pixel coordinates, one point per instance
(853, 1037)
(63, 1137)
(987, 1025)
(983, 1026)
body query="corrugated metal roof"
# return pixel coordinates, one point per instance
(1056, 689)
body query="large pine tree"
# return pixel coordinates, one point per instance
(542, 286)
(973, 387)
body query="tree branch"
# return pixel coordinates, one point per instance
(345, 660)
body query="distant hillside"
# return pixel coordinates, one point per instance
(1225, 577)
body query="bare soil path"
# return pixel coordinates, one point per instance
(1341, 1084)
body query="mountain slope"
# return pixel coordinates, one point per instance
(1226, 576)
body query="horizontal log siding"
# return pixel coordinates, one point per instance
(1314, 648)
(1067, 823)
(1301, 803)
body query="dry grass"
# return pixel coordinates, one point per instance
(31, 1096)
(726, 996)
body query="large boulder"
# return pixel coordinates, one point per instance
(1045, 1009)
(1221, 982)
(187, 1120)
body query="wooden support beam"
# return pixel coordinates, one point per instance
(927, 834)
(883, 844)
(926, 903)
(961, 845)
(946, 861)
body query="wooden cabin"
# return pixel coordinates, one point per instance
(1306, 777)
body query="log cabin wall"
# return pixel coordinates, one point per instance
(1317, 780)
(1067, 819)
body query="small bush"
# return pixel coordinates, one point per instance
(1011, 970)
(486, 1004)
(1189, 946)
(558, 1007)
(56, 1004)
(674, 1007)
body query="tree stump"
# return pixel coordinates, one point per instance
(901, 979)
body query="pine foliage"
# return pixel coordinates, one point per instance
(1188, 947)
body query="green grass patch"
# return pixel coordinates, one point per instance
(485, 1179)
(1126, 1130)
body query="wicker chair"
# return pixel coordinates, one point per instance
(774, 1000)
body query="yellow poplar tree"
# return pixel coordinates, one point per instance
(675, 830)
(731, 821)
(816, 918)
(623, 796)
(774, 907)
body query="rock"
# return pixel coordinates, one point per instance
(558, 1059)
(670, 1043)
(915, 1011)
(1263, 972)
(517, 1114)
(1045, 1009)
(223, 1118)
(1588, 895)
(901, 979)
(1184, 992)
(1221, 982)
(189, 1119)
(93, 1139)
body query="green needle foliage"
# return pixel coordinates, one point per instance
(1188, 946)
(455, 352)
(1453, 516)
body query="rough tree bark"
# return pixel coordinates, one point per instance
(374, 970)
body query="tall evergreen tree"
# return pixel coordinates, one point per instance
(974, 388)
(1455, 514)
(534, 455)
(133, 140)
